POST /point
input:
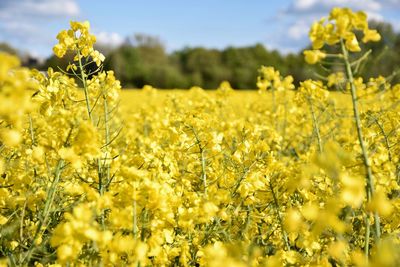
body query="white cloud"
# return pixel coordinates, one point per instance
(391, 2)
(25, 24)
(42, 8)
(304, 4)
(375, 16)
(54, 8)
(323, 6)
(111, 39)
(298, 29)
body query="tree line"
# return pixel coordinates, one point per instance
(144, 60)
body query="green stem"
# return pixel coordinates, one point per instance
(107, 139)
(89, 112)
(367, 235)
(49, 201)
(134, 231)
(367, 164)
(85, 89)
(31, 130)
(202, 160)
(276, 204)
(273, 99)
(101, 189)
(274, 108)
(104, 168)
(385, 136)
(315, 124)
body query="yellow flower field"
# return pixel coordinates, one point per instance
(279, 176)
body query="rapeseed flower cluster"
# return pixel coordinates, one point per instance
(78, 40)
(341, 26)
(198, 178)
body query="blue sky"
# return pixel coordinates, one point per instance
(31, 25)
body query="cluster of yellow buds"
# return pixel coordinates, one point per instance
(313, 90)
(16, 88)
(270, 79)
(79, 40)
(313, 56)
(340, 25)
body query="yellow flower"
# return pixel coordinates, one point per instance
(7, 62)
(79, 40)
(380, 204)
(68, 154)
(97, 57)
(360, 20)
(317, 34)
(358, 258)
(331, 36)
(10, 137)
(310, 211)
(72, 67)
(208, 211)
(4, 262)
(59, 50)
(269, 73)
(65, 253)
(338, 250)
(14, 244)
(141, 251)
(66, 38)
(91, 233)
(336, 78)
(352, 43)
(269, 78)
(287, 82)
(80, 26)
(371, 35)
(87, 141)
(313, 56)
(293, 220)
(3, 220)
(343, 24)
(38, 153)
(169, 236)
(352, 192)
(386, 253)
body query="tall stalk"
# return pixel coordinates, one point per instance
(315, 124)
(107, 140)
(202, 160)
(367, 164)
(46, 211)
(102, 183)
(85, 89)
(280, 220)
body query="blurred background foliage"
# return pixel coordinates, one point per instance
(143, 59)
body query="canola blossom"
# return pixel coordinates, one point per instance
(91, 175)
